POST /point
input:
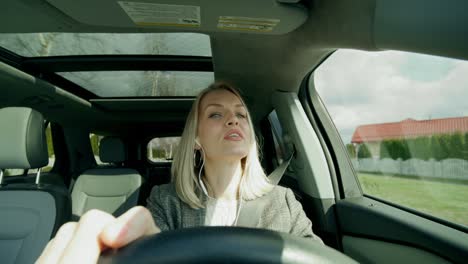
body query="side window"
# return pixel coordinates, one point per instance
(404, 120)
(95, 141)
(282, 149)
(277, 132)
(50, 149)
(162, 149)
(13, 172)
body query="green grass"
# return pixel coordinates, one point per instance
(444, 200)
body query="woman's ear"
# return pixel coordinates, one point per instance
(197, 144)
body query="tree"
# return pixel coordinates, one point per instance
(420, 148)
(95, 144)
(363, 152)
(158, 153)
(50, 146)
(394, 149)
(465, 147)
(437, 148)
(456, 146)
(163, 148)
(384, 149)
(351, 150)
(445, 146)
(403, 150)
(391, 149)
(156, 83)
(46, 41)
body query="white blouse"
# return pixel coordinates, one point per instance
(220, 212)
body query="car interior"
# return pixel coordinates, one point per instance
(63, 66)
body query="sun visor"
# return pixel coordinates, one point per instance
(259, 16)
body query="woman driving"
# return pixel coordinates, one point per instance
(215, 174)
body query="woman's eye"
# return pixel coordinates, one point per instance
(215, 115)
(240, 115)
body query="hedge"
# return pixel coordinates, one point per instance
(438, 147)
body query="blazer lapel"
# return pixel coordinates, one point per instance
(193, 217)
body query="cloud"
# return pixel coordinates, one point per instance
(361, 87)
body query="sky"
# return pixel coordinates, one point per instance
(360, 87)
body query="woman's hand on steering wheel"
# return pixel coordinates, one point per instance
(83, 241)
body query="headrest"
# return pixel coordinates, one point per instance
(112, 150)
(22, 139)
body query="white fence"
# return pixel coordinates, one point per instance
(449, 168)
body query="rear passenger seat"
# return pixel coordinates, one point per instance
(112, 188)
(30, 213)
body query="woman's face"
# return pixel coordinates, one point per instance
(223, 128)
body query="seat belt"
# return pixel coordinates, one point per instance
(277, 174)
(250, 210)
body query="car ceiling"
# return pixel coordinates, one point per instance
(257, 63)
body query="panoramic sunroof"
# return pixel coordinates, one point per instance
(120, 83)
(141, 83)
(65, 44)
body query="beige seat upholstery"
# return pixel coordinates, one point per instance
(112, 189)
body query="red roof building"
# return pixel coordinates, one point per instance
(409, 128)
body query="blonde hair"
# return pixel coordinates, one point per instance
(254, 183)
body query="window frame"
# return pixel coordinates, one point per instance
(345, 173)
(146, 152)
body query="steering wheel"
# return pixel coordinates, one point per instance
(224, 245)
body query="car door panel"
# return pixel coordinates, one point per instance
(374, 251)
(373, 231)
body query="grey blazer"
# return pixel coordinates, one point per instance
(281, 212)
